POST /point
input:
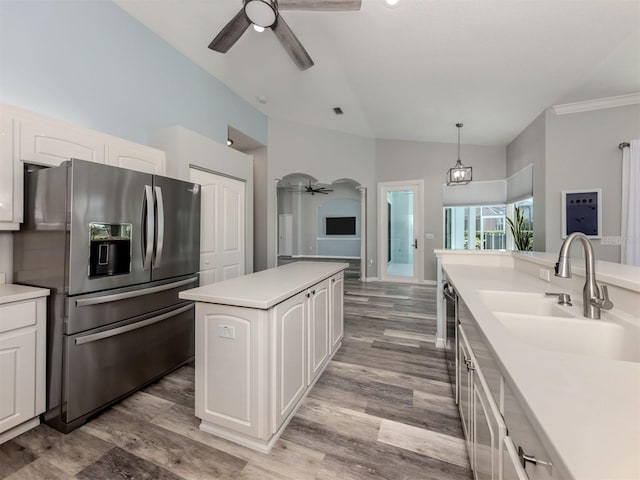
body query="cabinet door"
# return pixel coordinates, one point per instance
(136, 157)
(488, 432)
(318, 328)
(49, 142)
(289, 349)
(337, 310)
(524, 437)
(512, 469)
(10, 177)
(17, 377)
(465, 380)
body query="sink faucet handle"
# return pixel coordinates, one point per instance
(603, 303)
(563, 298)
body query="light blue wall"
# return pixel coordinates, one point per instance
(91, 64)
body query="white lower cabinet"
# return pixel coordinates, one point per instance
(501, 442)
(319, 341)
(529, 448)
(22, 365)
(482, 423)
(254, 366)
(337, 311)
(488, 432)
(512, 470)
(290, 319)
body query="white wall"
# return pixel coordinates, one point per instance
(397, 160)
(582, 152)
(92, 64)
(326, 155)
(529, 148)
(260, 213)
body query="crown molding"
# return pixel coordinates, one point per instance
(597, 104)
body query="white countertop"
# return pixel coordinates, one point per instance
(267, 288)
(16, 293)
(586, 409)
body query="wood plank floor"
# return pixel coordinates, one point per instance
(383, 409)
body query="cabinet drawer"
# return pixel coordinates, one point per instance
(17, 315)
(524, 436)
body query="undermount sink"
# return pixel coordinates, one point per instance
(524, 303)
(600, 338)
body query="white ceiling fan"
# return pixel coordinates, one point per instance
(266, 14)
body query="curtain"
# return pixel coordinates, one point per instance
(631, 204)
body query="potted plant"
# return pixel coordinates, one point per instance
(521, 236)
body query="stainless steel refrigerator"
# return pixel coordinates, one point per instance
(115, 247)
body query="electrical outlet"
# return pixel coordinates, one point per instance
(226, 331)
(545, 274)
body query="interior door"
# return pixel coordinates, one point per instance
(401, 250)
(222, 231)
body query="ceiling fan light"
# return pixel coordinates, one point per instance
(258, 28)
(261, 12)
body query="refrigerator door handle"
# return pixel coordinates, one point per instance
(84, 302)
(148, 220)
(160, 237)
(133, 326)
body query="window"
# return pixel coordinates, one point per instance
(526, 207)
(485, 225)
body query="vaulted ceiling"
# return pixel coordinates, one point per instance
(412, 71)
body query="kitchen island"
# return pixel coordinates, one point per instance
(262, 341)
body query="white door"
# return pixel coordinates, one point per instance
(222, 226)
(400, 239)
(285, 234)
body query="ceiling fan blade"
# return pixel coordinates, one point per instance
(291, 44)
(231, 32)
(320, 5)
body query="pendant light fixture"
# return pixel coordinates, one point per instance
(459, 175)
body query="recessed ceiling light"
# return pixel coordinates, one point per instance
(258, 28)
(391, 3)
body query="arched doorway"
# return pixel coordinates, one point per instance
(321, 221)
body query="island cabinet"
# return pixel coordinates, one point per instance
(262, 341)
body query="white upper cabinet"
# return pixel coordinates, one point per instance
(27, 137)
(50, 142)
(141, 158)
(10, 177)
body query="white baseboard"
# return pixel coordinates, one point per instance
(19, 429)
(430, 282)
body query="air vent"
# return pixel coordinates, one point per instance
(337, 110)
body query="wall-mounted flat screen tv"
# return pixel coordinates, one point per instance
(340, 225)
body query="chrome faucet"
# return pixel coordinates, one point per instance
(592, 301)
